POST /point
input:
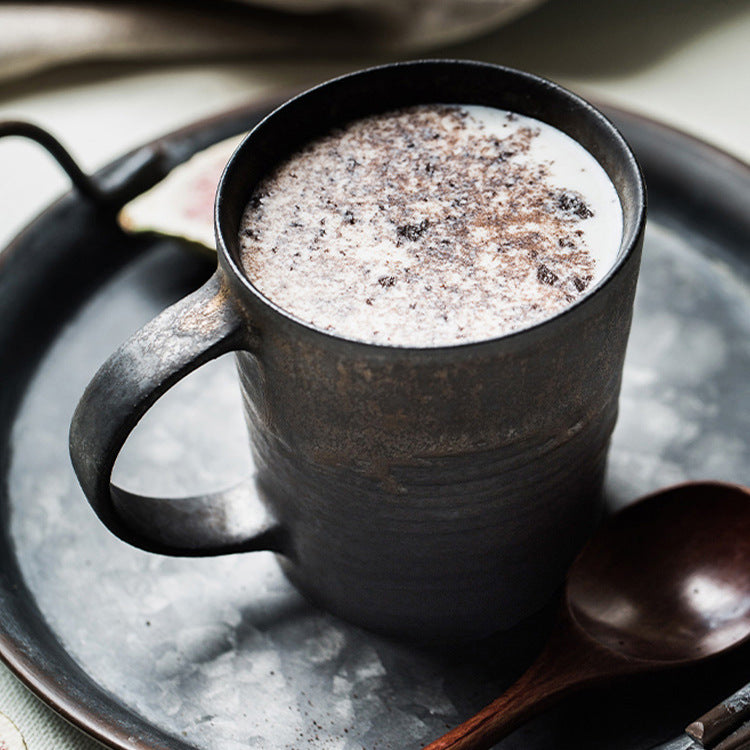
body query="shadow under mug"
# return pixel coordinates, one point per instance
(436, 493)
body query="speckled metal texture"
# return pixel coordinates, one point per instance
(147, 652)
(416, 491)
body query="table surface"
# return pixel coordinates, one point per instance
(684, 62)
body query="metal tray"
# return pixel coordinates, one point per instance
(147, 652)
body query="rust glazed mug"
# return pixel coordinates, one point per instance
(437, 493)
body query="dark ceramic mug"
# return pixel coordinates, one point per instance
(428, 492)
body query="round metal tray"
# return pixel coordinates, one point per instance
(143, 652)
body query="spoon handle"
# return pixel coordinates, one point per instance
(514, 707)
(566, 664)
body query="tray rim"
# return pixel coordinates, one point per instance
(83, 716)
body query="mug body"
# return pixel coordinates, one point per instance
(435, 493)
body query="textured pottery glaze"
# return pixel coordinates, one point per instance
(436, 493)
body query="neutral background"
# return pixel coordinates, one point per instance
(685, 62)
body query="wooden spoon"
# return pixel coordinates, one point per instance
(665, 582)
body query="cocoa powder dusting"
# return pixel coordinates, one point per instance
(418, 228)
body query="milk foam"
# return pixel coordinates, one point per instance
(573, 168)
(431, 226)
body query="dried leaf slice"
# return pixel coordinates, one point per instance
(10, 737)
(181, 205)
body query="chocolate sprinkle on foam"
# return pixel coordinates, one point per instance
(421, 227)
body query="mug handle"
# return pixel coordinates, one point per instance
(198, 328)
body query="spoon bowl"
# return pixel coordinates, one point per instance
(668, 578)
(664, 582)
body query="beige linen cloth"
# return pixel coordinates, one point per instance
(41, 36)
(35, 36)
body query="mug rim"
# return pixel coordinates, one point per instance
(628, 243)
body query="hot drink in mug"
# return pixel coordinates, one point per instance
(427, 272)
